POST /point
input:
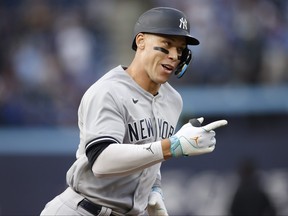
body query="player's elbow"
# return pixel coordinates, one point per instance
(102, 169)
(99, 175)
(98, 170)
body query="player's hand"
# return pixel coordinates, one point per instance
(156, 206)
(194, 139)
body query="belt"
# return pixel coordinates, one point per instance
(93, 208)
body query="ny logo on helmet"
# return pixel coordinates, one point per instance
(183, 23)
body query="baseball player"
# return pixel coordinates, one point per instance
(127, 122)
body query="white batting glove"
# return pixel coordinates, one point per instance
(195, 140)
(156, 206)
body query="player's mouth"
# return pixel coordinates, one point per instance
(168, 68)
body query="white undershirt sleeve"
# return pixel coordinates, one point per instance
(123, 159)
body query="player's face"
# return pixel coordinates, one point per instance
(163, 53)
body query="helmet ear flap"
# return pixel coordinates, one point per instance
(184, 62)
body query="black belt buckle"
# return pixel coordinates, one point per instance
(90, 207)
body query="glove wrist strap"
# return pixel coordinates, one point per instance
(175, 147)
(158, 190)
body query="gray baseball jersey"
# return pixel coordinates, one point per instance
(117, 108)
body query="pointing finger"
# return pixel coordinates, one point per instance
(214, 125)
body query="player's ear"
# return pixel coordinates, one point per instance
(139, 40)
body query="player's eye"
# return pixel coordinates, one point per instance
(166, 44)
(180, 50)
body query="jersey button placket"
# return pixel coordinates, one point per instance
(156, 116)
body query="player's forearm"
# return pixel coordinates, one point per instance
(123, 159)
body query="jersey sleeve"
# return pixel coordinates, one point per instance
(100, 118)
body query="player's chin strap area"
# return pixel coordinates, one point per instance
(184, 60)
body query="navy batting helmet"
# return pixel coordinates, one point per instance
(166, 21)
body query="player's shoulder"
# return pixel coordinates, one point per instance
(114, 75)
(112, 78)
(171, 95)
(168, 89)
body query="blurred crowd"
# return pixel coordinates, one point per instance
(51, 51)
